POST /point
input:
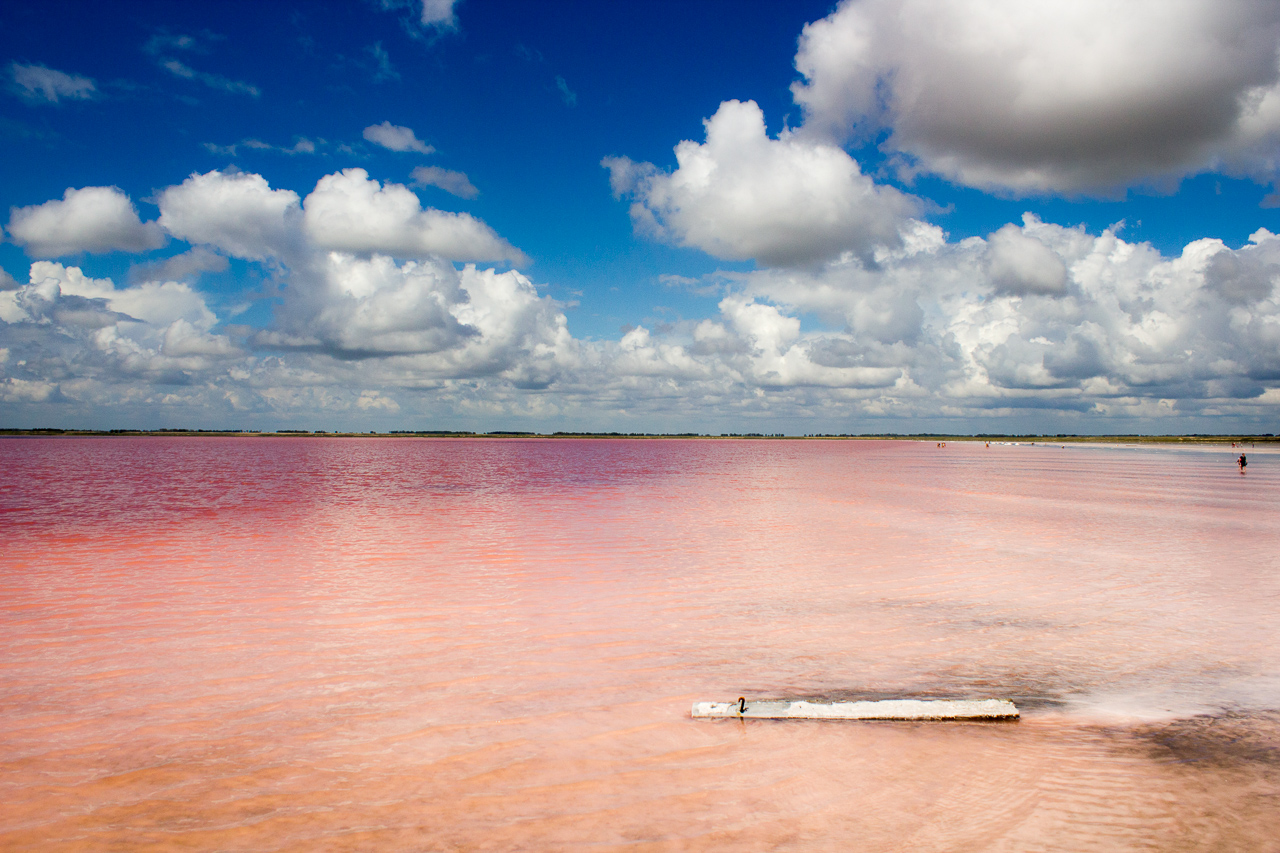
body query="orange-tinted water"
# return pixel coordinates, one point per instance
(382, 644)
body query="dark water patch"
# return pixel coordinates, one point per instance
(1232, 739)
(1027, 697)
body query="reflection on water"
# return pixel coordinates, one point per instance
(345, 644)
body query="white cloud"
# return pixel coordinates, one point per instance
(1020, 264)
(638, 355)
(92, 219)
(376, 400)
(347, 211)
(186, 265)
(238, 213)
(396, 138)
(456, 183)
(421, 321)
(185, 340)
(44, 302)
(740, 195)
(213, 81)
(1246, 276)
(358, 308)
(1083, 96)
(350, 212)
(1125, 324)
(37, 83)
(78, 340)
(164, 42)
(347, 320)
(567, 95)
(439, 14)
(1070, 328)
(301, 146)
(354, 338)
(427, 19)
(931, 334)
(779, 357)
(14, 390)
(156, 303)
(424, 319)
(385, 70)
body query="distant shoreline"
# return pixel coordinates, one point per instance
(1196, 439)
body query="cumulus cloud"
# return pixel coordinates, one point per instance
(1247, 276)
(15, 390)
(180, 267)
(1020, 264)
(900, 322)
(1086, 96)
(371, 313)
(353, 334)
(637, 354)
(933, 331)
(157, 303)
(396, 138)
(958, 332)
(76, 339)
(417, 323)
(238, 213)
(37, 83)
(347, 211)
(363, 307)
(350, 212)
(741, 195)
(413, 323)
(44, 302)
(456, 183)
(1125, 327)
(779, 358)
(92, 219)
(445, 322)
(241, 215)
(372, 400)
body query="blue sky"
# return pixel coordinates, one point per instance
(711, 217)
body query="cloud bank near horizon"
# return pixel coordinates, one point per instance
(1035, 317)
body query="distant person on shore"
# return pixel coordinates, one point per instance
(1242, 462)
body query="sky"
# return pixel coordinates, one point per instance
(713, 217)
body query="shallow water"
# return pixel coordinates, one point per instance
(411, 644)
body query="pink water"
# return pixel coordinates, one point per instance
(382, 644)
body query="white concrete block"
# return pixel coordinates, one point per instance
(891, 709)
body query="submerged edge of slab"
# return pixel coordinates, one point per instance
(889, 709)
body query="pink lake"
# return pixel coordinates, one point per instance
(260, 644)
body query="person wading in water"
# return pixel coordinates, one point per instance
(1242, 462)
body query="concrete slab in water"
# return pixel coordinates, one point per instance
(892, 709)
